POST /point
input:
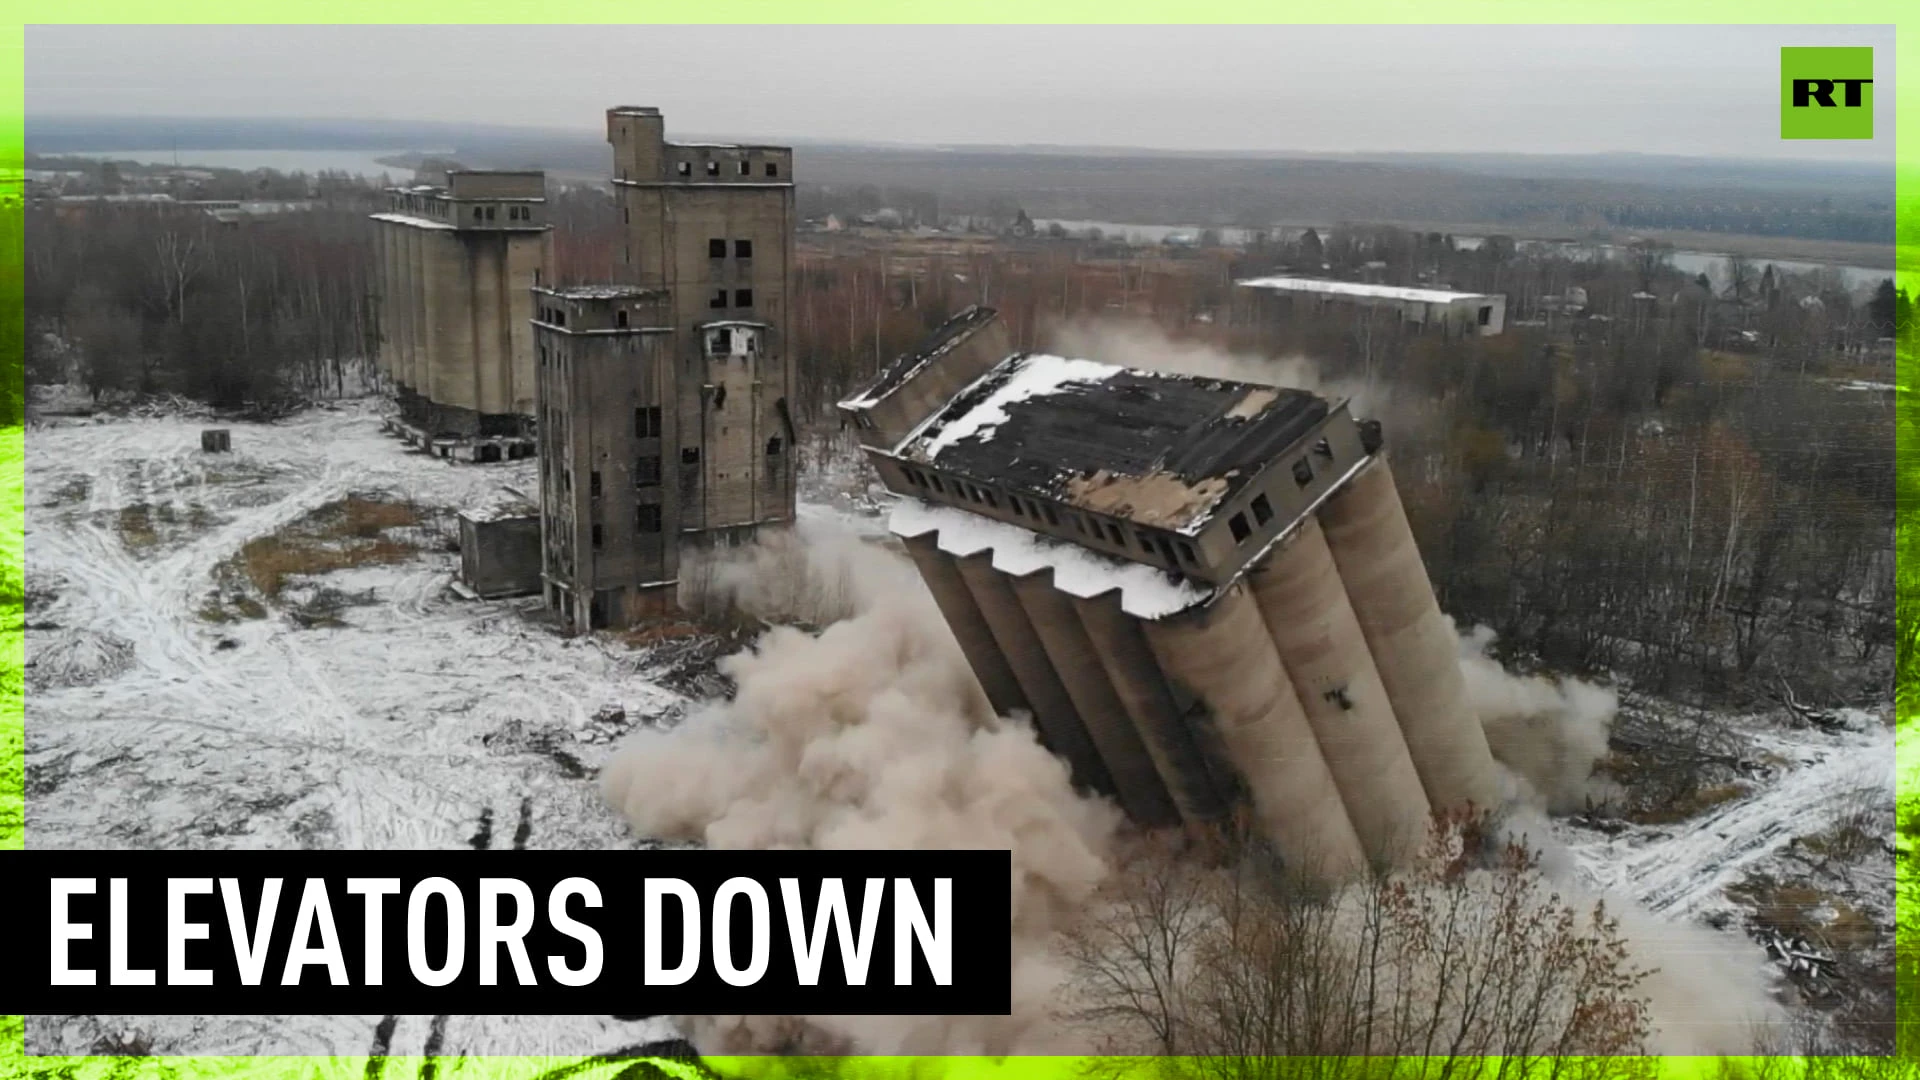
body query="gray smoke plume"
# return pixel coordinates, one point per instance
(1137, 343)
(1549, 733)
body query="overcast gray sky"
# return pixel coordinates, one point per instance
(1536, 89)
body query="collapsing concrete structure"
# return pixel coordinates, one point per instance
(1203, 591)
(456, 266)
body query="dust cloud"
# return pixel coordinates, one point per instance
(815, 575)
(1548, 733)
(1146, 346)
(873, 733)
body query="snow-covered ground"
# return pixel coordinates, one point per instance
(428, 721)
(425, 722)
(1719, 867)
(1682, 870)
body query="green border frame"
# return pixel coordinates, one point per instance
(13, 1060)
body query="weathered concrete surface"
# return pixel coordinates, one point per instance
(1224, 655)
(1414, 646)
(1074, 659)
(1305, 607)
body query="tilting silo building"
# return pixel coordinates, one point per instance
(1204, 592)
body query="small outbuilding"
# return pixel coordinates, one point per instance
(500, 549)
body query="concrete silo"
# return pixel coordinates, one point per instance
(1203, 591)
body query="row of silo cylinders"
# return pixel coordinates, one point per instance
(1325, 685)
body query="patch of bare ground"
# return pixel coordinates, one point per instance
(1824, 914)
(1687, 805)
(359, 530)
(1667, 764)
(683, 653)
(147, 528)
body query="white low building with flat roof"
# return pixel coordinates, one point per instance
(1480, 313)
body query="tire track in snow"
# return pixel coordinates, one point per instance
(1687, 866)
(392, 708)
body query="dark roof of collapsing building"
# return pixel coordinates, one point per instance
(941, 341)
(1161, 450)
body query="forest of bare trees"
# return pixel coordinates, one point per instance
(1675, 481)
(1695, 489)
(264, 312)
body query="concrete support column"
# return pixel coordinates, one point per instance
(1414, 647)
(1074, 659)
(1305, 607)
(1223, 655)
(1121, 649)
(492, 358)
(955, 601)
(420, 313)
(399, 300)
(1053, 710)
(383, 240)
(403, 311)
(410, 306)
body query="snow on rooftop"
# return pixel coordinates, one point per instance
(950, 335)
(409, 219)
(601, 292)
(503, 505)
(1035, 376)
(1358, 288)
(1146, 592)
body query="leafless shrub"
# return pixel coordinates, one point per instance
(1466, 955)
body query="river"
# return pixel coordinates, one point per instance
(1711, 263)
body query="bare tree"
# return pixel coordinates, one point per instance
(179, 255)
(1651, 260)
(1465, 964)
(109, 342)
(1739, 276)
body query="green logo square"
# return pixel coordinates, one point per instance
(1826, 93)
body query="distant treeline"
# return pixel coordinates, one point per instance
(1677, 489)
(96, 176)
(1829, 202)
(265, 312)
(1675, 484)
(1255, 193)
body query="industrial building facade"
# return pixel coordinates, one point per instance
(1204, 592)
(663, 398)
(1267, 299)
(456, 264)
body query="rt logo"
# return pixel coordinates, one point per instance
(1826, 93)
